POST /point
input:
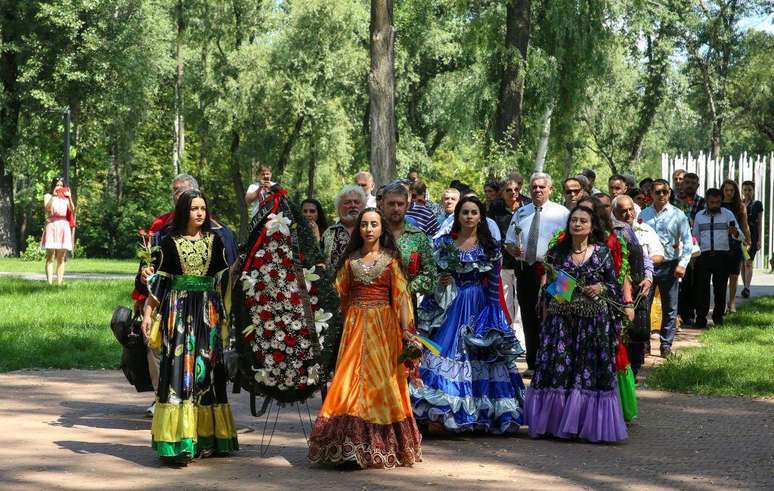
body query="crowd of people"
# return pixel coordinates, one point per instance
(469, 283)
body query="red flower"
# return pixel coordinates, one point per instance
(301, 386)
(304, 333)
(267, 257)
(280, 324)
(287, 262)
(142, 232)
(250, 337)
(280, 296)
(265, 315)
(264, 299)
(290, 276)
(413, 268)
(290, 340)
(295, 298)
(268, 334)
(260, 286)
(274, 274)
(301, 256)
(301, 371)
(249, 301)
(258, 262)
(313, 290)
(278, 356)
(259, 355)
(277, 236)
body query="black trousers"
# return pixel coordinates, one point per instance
(686, 298)
(712, 267)
(528, 280)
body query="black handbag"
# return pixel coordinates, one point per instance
(127, 329)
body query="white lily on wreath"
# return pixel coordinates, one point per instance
(310, 277)
(278, 222)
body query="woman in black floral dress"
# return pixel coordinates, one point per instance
(574, 391)
(192, 416)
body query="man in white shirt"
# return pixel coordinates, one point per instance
(529, 233)
(257, 191)
(366, 181)
(712, 227)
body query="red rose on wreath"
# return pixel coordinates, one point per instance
(280, 324)
(267, 257)
(260, 286)
(268, 334)
(295, 298)
(264, 299)
(258, 262)
(280, 296)
(277, 236)
(287, 262)
(259, 355)
(290, 277)
(274, 274)
(301, 371)
(290, 340)
(249, 301)
(313, 290)
(278, 356)
(265, 315)
(250, 337)
(301, 386)
(304, 333)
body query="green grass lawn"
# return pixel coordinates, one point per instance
(44, 326)
(734, 360)
(115, 266)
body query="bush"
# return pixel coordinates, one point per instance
(32, 252)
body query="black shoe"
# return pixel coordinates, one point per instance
(666, 351)
(717, 322)
(700, 325)
(745, 293)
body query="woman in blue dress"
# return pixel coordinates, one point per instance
(473, 383)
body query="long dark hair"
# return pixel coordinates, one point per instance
(386, 240)
(183, 212)
(483, 234)
(736, 202)
(53, 183)
(322, 221)
(597, 236)
(600, 212)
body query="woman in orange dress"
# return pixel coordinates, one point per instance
(366, 418)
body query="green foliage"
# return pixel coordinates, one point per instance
(734, 360)
(32, 252)
(69, 328)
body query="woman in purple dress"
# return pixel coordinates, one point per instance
(574, 391)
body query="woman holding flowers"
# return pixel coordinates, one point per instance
(184, 314)
(472, 382)
(574, 391)
(366, 417)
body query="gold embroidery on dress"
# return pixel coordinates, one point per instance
(368, 273)
(194, 254)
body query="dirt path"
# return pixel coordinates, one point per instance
(86, 430)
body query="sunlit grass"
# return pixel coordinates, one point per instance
(735, 360)
(116, 266)
(45, 326)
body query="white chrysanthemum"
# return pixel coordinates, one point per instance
(296, 325)
(304, 344)
(265, 345)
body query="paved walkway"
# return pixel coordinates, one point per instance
(85, 429)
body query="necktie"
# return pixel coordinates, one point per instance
(534, 234)
(712, 232)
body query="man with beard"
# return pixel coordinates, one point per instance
(617, 186)
(349, 203)
(416, 252)
(691, 203)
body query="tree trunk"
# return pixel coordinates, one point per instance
(10, 107)
(381, 91)
(715, 138)
(178, 156)
(545, 132)
(284, 156)
(312, 170)
(507, 125)
(236, 181)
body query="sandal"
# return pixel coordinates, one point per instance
(731, 309)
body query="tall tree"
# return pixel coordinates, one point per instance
(178, 155)
(507, 126)
(10, 107)
(381, 90)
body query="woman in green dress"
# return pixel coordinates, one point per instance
(192, 417)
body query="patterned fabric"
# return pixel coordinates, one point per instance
(689, 205)
(192, 412)
(366, 417)
(423, 218)
(574, 389)
(473, 383)
(416, 254)
(335, 240)
(672, 227)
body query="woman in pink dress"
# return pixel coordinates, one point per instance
(58, 236)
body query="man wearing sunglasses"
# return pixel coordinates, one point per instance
(573, 192)
(672, 227)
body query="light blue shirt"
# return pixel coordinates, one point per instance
(672, 227)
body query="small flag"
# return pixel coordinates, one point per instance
(562, 287)
(429, 344)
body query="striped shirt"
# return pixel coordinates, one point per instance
(422, 218)
(711, 229)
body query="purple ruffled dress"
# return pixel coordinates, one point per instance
(574, 392)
